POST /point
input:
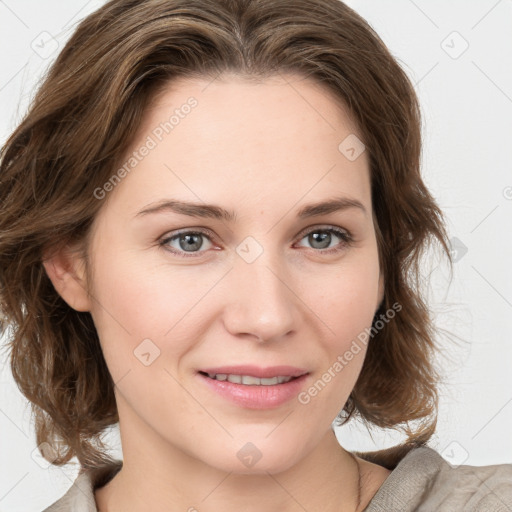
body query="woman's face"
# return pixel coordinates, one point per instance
(261, 287)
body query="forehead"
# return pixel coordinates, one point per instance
(232, 102)
(266, 142)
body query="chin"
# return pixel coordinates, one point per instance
(260, 456)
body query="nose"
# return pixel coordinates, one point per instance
(262, 303)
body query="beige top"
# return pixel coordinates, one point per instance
(422, 481)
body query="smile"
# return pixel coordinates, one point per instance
(252, 387)
(250, 380)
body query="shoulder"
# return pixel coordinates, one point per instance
(472, 488)
(423, 480)
(80, 496)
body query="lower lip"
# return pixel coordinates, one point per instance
(256, 397)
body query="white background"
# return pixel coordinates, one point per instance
(466, 100)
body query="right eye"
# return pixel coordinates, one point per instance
(187, 243)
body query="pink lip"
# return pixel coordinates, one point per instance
(256, 397)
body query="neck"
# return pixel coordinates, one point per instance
(162, 478)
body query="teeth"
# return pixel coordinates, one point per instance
(249, 380)
(269, 381)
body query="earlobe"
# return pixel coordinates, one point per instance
(66, 270)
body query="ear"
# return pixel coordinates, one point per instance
(66, 269)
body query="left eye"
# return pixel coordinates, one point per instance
(324, 237)
(191, 241)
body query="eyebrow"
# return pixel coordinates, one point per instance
(217, 212)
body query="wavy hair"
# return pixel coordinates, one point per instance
(82, 120)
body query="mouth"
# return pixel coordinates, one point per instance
(249, 380)
(253, 387)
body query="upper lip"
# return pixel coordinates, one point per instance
(258, 371)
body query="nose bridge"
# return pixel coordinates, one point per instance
(262, 301)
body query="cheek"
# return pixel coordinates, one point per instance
(345, 298)
(136, 301)
(345, 311)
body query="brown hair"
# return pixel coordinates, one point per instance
(82, 121)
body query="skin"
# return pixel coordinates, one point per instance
(263, 150)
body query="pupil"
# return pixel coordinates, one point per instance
(321, 237)
(188, 244)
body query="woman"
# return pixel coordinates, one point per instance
(213, 221)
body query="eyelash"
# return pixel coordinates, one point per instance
(344, 235)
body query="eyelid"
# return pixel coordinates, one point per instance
(192, 229)
(322, 227)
